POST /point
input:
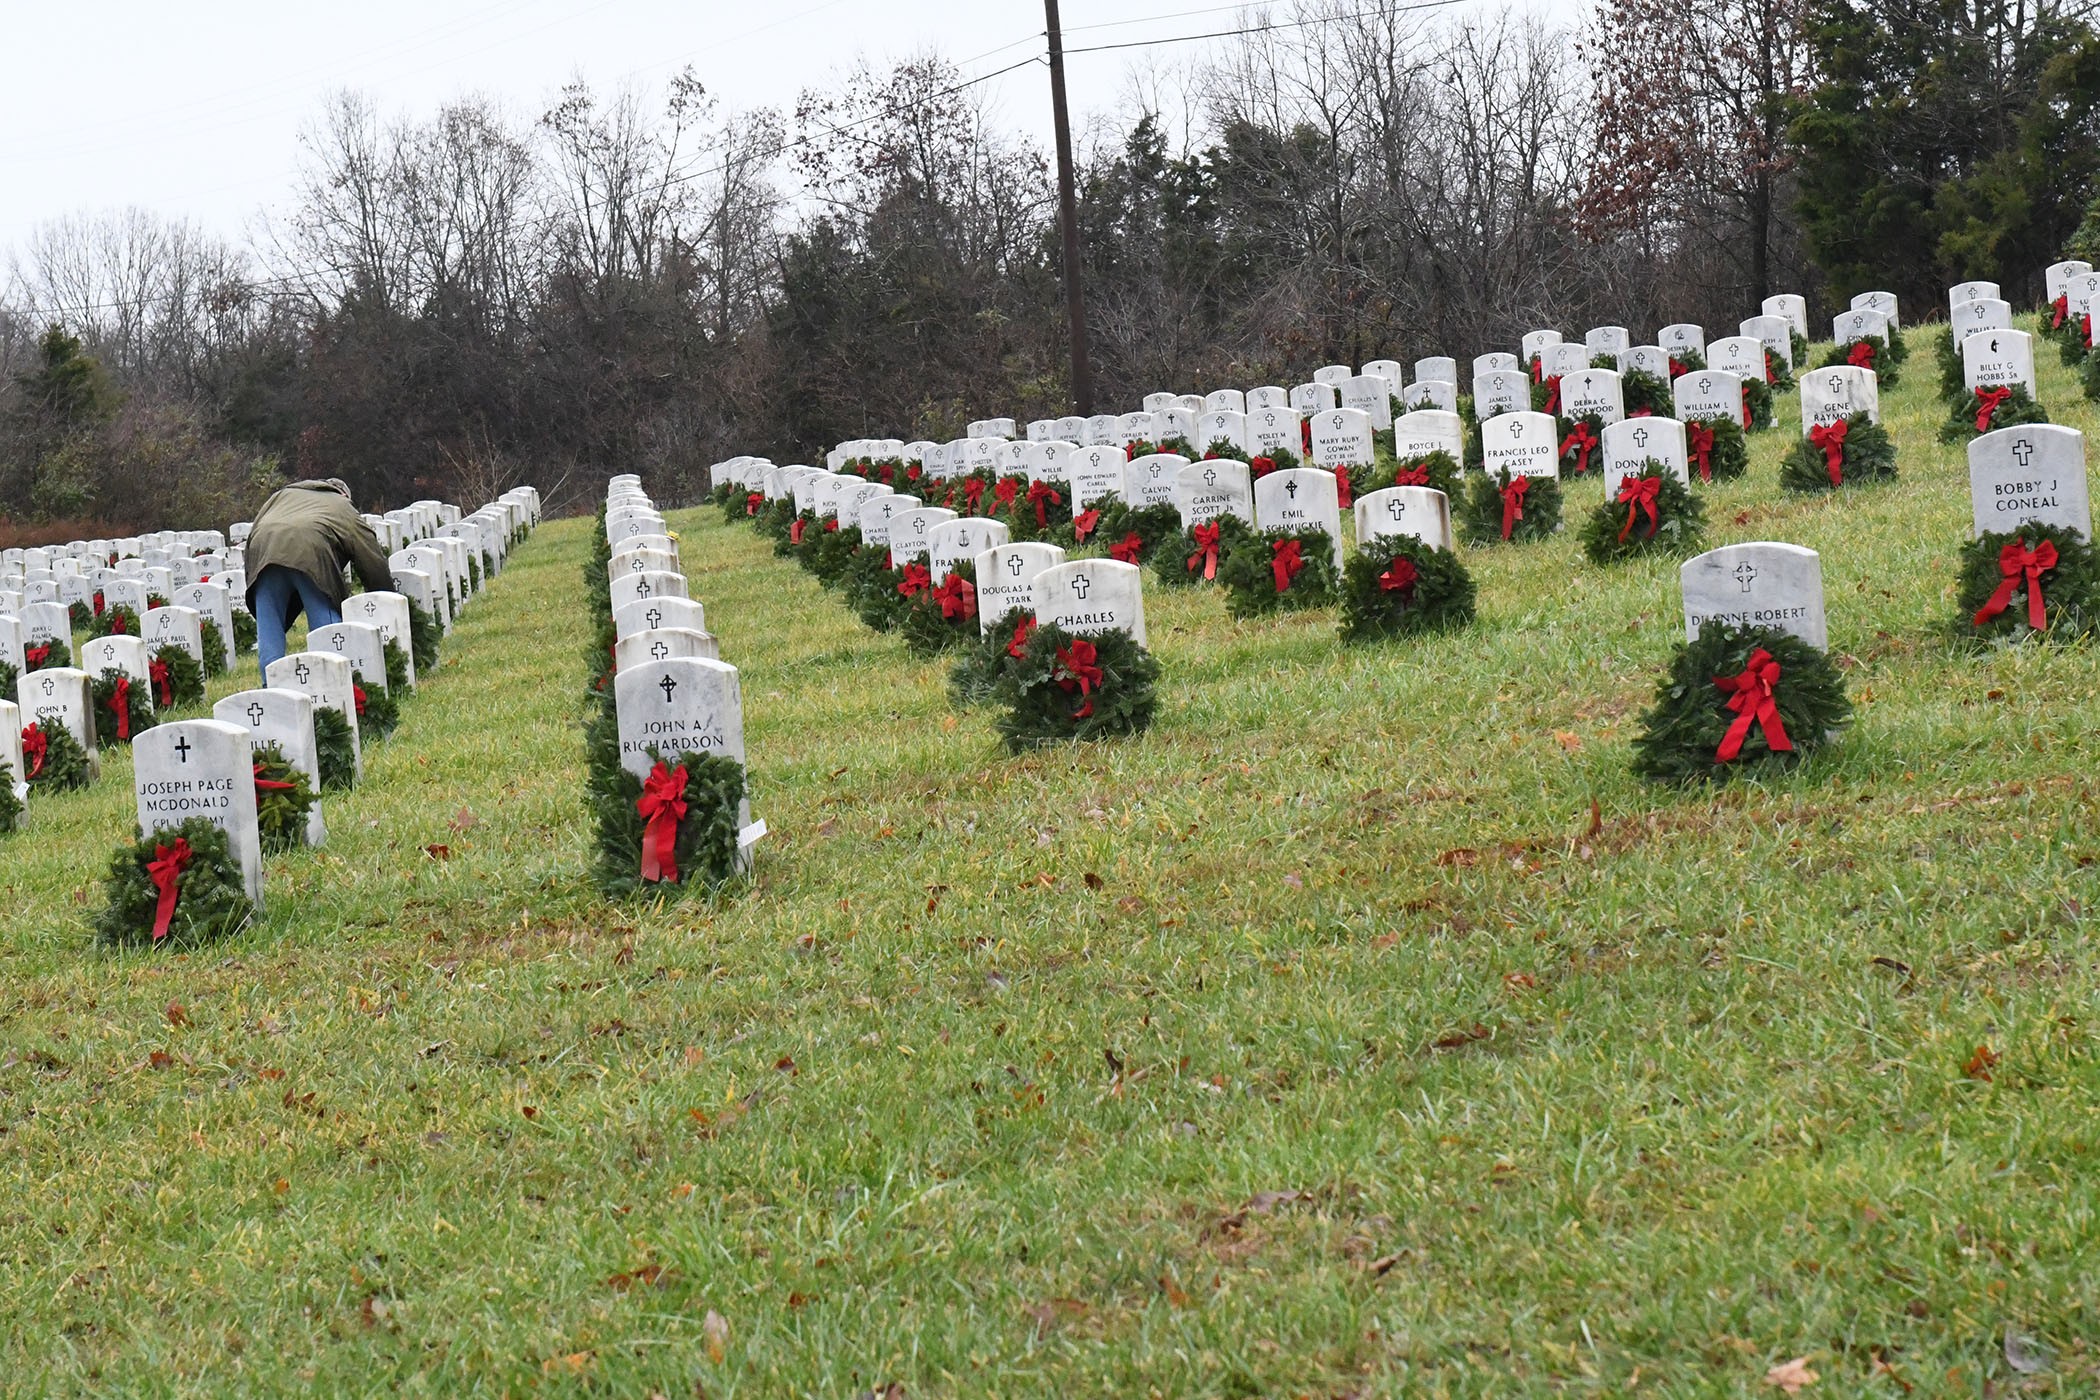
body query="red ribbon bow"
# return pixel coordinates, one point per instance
(1861, 354)
(1553, 394)
(1678, 368)
(1831, 438)
(1289, 559)
(2058, 309)
(1699, 443)
(165, 870)
(917, 579)
(795, 530)
(957, 597)
(1341, 485)
(35, 745)
(2085, 329)
(1513, 504)
(163, 683)
(1770, 376)
(36, 656)
(117, 624)
(263, 784)
(357, 694)
(1399, 578)
(831, 526)
(888, 475)
(1750, 696)
(1003, 492)
(1582, 441)
(1083, 524)
(1260, 467)
(914, 471)
(1023, 630)
(2015, 562)
(1042, 495)
(753, 501)
(98, 603)
(1988, 402)
(1411, 476)
(1638, 493)
(120, 701)
(1128, 548)
(1206, 540)
(1076, 671)
(662, 808)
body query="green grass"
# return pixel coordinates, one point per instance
(989, 1086)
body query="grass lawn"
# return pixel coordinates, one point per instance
(1319, 1043)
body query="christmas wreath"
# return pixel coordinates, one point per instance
(213, 642)
(1545, 394)
(1646, 395)
(1495, 507)
(1736, 700)
(1604, 360)
(1397, 585)
(1178, 445)
(1653, 513)
(1272, 570)
(2037, 580)
(1224, 449)
(601, 658)
(80, 615)
(1850, 452)
(1435, 470)
(48, 655)
(1796, 342)
(738, 504)
(55, 760)
(944, 614)
(1757, 405)
(1085, 526)
(1715, 449)
(1131, 533)
(832, 552)
(1581, 445)
(1984, 410)
(1062, 686)
(776, 520)
(283, 799)
(674, 832)
(116, 621)
(10, 805)
(243, 633)
(123, 707)
(1687, 360)
(1952, 375)
(1869, 352)
(871, 588)
(335, 751)
(180, 886)
(801, 541)
(378, 712)
(473, 573)
(177, 678)
(2072, 334)
(1037, 509)
(1778, 373)
(975, 675)
(424, 635)
(396, 666)
(1195, 558)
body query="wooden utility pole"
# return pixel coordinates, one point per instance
(1068, 217)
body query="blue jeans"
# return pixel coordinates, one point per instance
(280, 595)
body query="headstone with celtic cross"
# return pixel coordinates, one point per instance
(284, 718)
(1306, 498)
(1756, 585)
(1630, 445)
(1522, 444)
(1090, 596)
(2032, 472)
(1006, 575)
(1419, 512)
(328, 679)
(1203, 491)
(201, 769)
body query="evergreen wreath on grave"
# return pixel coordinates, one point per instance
(1850, 452)
(1224, 449)
(424, 635)
(123, 707)
(1715, 449)
(334, 750)
(283, 799)
(177, 678)
(1497, 508)
(600, 658)
(1778, 373)
(802, 536)
(774, 520)
(1985, 410)
(870, 587)
(378, 712)
(1898, 350)
(833, 552)
(975, 675)
(1653, 513)
(1278, 459)
(8, 676)
(2039, 580)
(1275, 570)
(1085, 526)
(214, 644)
(474, 573)
(1796, 342)
(10, 805)
(49, 655)
(1037, 509)
(1948, 354)
(1130, 534)
(724, 492)
(675, 831)
(1201, 549)
(944, 614)
(396, 666)
(244, 633)
(965, 494)
(1582, 445)
(597, 580)
(1435, 470)
(1869, 352)
(1141, 447)
(55, 760)
(180, 886)
(1398, 585)
(2071, 335)
(1606, 360)
(1757, 405)
(1178, 445)
(80, 616)
(738, 504)
(155, 600)
(1686, 360)
(1646, 395)
(117, 621)
(1476, 449)
(1739, 700)
(1545, 395)
(1061, 686)
(2089, 376)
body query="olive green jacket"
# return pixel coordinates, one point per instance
(312, 528)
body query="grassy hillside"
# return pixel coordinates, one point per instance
(1321, 1043)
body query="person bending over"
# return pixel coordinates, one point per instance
(302, 539)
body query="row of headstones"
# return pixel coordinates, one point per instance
(673, 695)
(181, 769)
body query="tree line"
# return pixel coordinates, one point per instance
(454, 302)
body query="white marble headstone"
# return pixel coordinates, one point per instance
(1501, 391)
(1206, 490)
(959, 541)
(1417, 511)
(1706, 394)
(1088, 596)
(2032, 472)
(1838, 392)
(61, 693)
(1305, 498)
(284, 718)
(1593, 391)
(1993, 359)
(201, 769)
(1006, 578)
(1630, 445)
(1522, 444)
(1095, 473)
(1756, 585)
(664, 644)
(328, 679)
(1342, 438)
(646, 614)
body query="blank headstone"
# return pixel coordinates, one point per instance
(284, 718)
(1417, 511)
(201, 768)
(1304, 498)
(2032, 472)
(1756, 585)
(1006, 578)
(1091, 596)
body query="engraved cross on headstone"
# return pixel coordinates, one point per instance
(1210, 476)
(338, 640)
(669, 687)
(643, 588)
(1396, 508)
(1745, 575)
(2023, 451)
(302, 672)
(1640, 437)
(1013, 566)
(1080, 585)
(660, 651)
(653, 617)
(1290, 488)
(255, 716)
(182, 748)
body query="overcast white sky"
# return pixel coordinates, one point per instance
(194, 109)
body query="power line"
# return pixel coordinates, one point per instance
(1268, 28)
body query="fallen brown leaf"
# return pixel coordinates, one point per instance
(1791, 1376)
(465, 820)
(1980, 1063)
(1460, 855)
(1176, 1298)
(714, 1331)
(176, 1015)
(1568, 740)
(445, 853)
(647, 1276)
(1452, 1040)
(160, 1059)
(1093, 881)
(1048, 1314)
